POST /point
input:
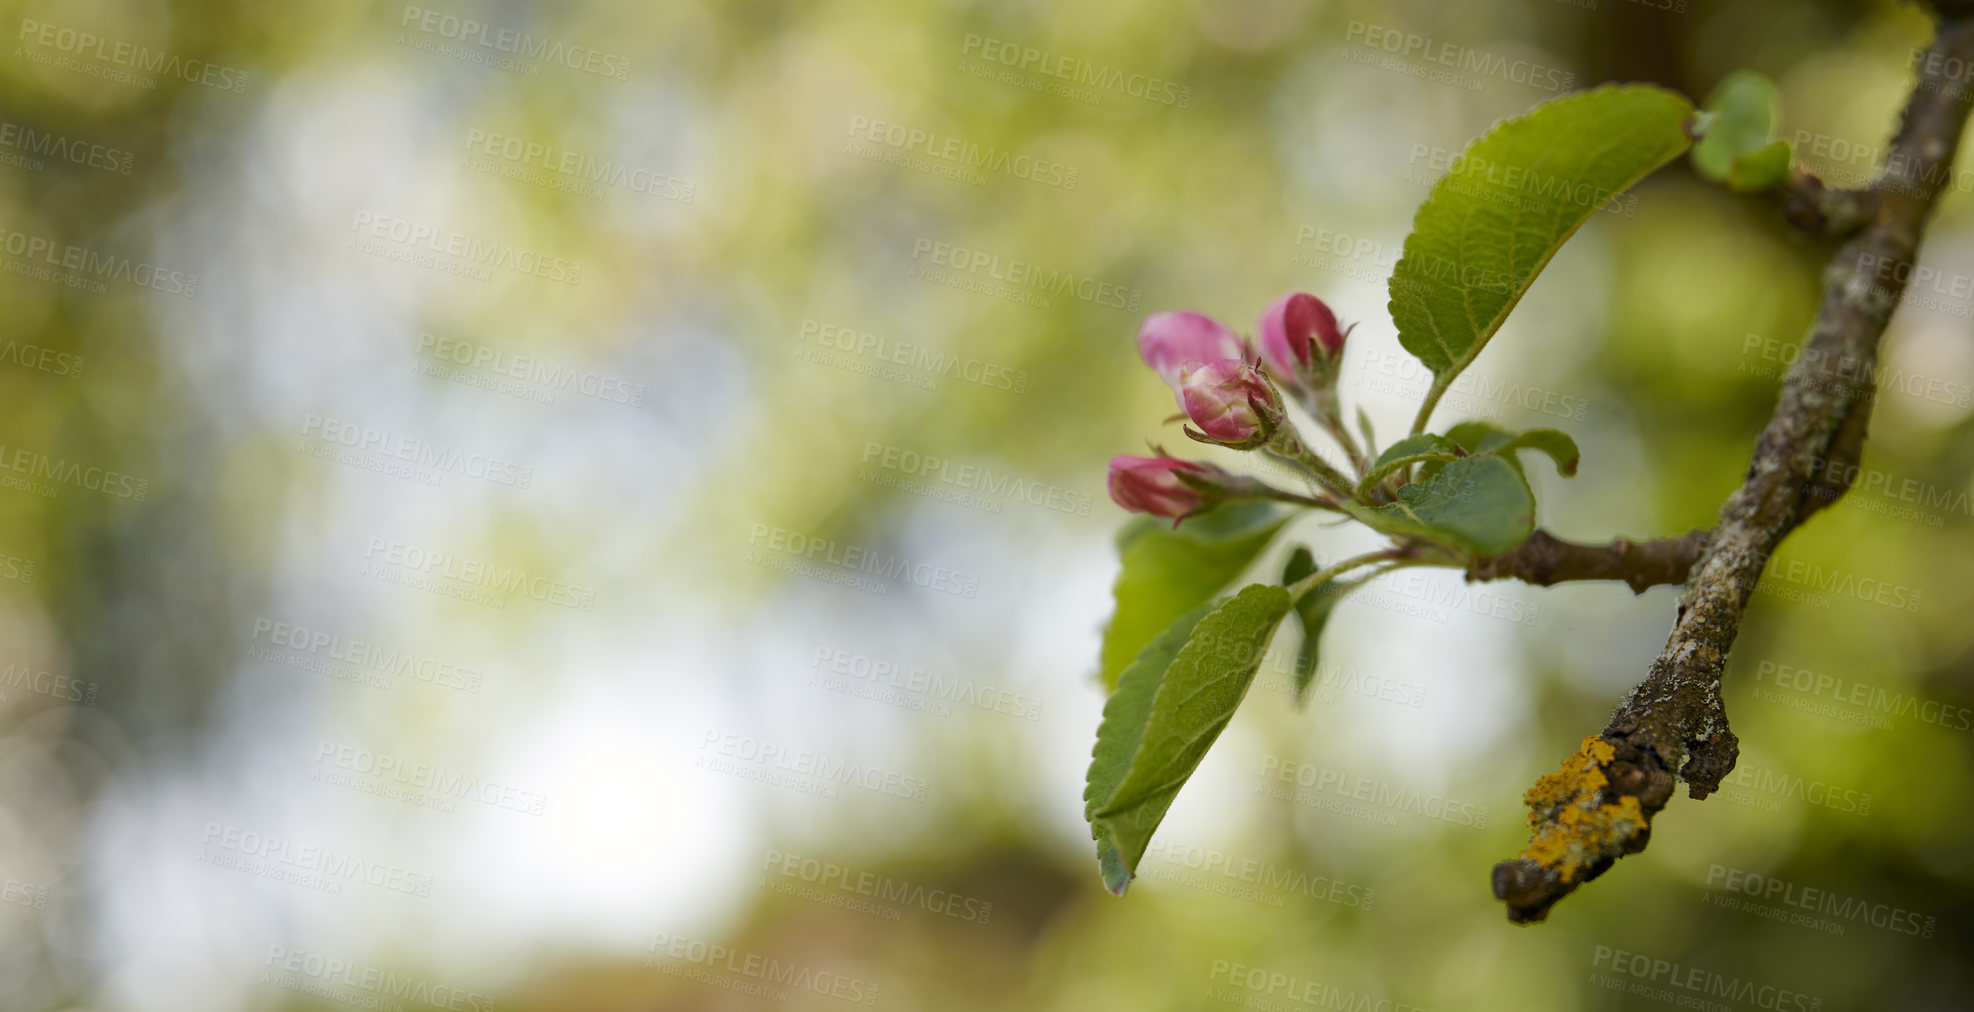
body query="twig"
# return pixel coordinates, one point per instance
(1545, 559)
(1599, 806)
(1820, 210)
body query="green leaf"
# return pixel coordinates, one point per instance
(1405, 452)
(1170, 706)
(1760, 170)
(1313, 612)
(1491, 225)
(1476, 436)
(1486, 437)
(1167, 573)
(1741, 113)
(1479, 504)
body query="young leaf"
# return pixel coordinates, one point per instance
(1491, 225)
(1479, 504)
(1370, 435)
(1760, 170)
(1741, 111)
(1170, 706)
(1407, 451)
(1313, 612)
(1486, 437)
(1167, 573)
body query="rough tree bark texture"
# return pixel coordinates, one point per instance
(1599, 806)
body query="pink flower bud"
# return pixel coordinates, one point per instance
(1296, 327)
(1152, 485)
(1230, 402)
(1170, 342)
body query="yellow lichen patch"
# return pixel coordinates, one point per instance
(1572, 823)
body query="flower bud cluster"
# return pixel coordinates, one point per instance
(1230, 395)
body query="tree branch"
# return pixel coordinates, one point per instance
(1600, 805)
(1819, 210)
(1545, 559)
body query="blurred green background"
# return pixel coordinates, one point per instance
(642, 318)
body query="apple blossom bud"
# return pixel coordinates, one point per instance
(1170, 342)
(1297, 327)
(1231, 403)
(1152, 485)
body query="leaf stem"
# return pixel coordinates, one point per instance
(1335, 427)
(1289, 450)
(1263, 490)
(1310, 582)
(1438, 390)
